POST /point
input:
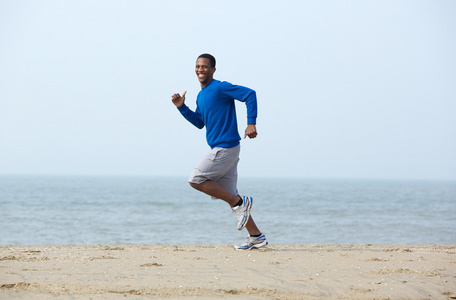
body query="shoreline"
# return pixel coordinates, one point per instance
(219, 272)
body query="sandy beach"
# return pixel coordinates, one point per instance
(220, 272)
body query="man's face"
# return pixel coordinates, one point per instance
(203, 70)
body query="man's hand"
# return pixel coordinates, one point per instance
(251, 131)
(178, 100)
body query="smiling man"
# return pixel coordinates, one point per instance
(216, 173)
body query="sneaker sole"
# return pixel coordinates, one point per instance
(254, 246)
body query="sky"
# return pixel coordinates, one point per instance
(346, 89)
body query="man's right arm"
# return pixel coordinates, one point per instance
(192, 117)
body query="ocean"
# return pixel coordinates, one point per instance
(76, 210)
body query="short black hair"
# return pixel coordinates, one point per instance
(210, 57)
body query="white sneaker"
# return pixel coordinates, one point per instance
(243, 211)
(253, 243)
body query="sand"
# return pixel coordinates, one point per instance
(220, 272)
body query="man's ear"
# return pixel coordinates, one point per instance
(213, 70)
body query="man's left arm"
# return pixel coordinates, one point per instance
(250, 100)
(248, 96)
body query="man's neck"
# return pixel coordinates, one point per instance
(205, 84)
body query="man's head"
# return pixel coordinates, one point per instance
(210, 57)
(205, 68)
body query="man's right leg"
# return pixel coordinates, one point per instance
(255, 240)
(252, 228)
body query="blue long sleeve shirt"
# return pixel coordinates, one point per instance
(215, 109)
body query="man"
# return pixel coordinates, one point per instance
(216, 173)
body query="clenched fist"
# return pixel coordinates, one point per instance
(251, 131)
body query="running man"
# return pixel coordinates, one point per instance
(216, 173)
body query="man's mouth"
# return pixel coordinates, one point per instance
(201, 75)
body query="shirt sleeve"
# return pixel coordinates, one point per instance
(244, 94)
(193, 117)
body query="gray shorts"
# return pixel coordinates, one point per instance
(219, 165)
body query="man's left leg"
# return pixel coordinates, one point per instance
(240, 205)
(213, 189)
(216, 175)
(256, 239)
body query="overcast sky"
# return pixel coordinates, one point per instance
(346, 89)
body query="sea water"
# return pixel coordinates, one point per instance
(74, 210)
